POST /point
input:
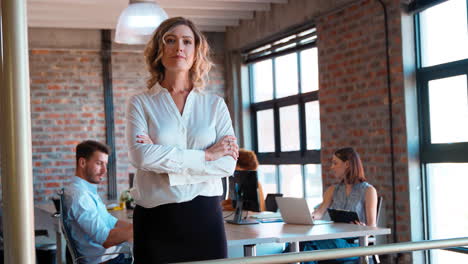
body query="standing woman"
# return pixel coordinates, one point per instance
(182, 143)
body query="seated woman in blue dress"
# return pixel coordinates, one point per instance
(352, 193)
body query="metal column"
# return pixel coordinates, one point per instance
(15, 138)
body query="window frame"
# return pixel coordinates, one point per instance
(433, 152)
(303, 156)
(445, 152)
(278, 157)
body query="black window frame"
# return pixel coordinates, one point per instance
(430, 152)
(303, 156)
(434, 152)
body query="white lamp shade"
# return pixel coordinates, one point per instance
(138, 22)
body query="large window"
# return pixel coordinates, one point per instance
(285, 115)
(443, 86)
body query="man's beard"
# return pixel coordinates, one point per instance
(91, 176)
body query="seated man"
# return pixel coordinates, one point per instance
(93, 229)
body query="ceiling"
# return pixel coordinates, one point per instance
(210, 15)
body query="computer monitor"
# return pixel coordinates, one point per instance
(244, 186)
(131, 177)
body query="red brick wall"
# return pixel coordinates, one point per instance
(354, 103)
(67, 107)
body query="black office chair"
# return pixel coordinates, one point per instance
(72, 254)
(131, 178)
(270, 202)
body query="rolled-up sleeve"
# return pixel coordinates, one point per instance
(154, 157)
(97, 228)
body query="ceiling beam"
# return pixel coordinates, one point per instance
(218, 14)
(213, 5)
(114, 12)
(214, 21)
(212, 28)
(103, 23)
(252, 1)
(125, 2)
(213, 15)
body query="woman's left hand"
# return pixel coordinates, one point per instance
(316, 215)
(144, 139)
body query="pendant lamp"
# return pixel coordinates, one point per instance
(138, 21)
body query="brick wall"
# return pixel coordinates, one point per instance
(67, 107)
(67, 103)
(354, 99)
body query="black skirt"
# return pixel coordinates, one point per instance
(179, 232)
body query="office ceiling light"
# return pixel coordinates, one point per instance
(138, 21)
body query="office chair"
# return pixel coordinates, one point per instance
(372, 239)
(72, 254)
(270, 202)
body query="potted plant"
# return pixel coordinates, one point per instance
(126, 197)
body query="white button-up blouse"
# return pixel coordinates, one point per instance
(173, 169)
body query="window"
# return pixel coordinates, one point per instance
(442, 78)
(285, 109)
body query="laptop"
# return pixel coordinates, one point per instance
(296, 211)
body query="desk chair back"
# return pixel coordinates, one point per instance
(377, 218)
(379, 209)
(270, 202)
(73, 253)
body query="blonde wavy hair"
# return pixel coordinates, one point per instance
(154, 52)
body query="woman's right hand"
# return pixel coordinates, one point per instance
(226, 146)
(316, 215)
(144, 139)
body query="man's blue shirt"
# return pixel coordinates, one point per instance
(88, 220)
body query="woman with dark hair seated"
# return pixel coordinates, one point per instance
(352, 193)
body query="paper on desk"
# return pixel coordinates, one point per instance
(266, 215)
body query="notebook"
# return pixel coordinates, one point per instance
(266, 215)
(296, 211)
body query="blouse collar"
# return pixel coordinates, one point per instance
(157, 88)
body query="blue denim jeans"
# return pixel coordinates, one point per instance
(325, 244)
(120, 259)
